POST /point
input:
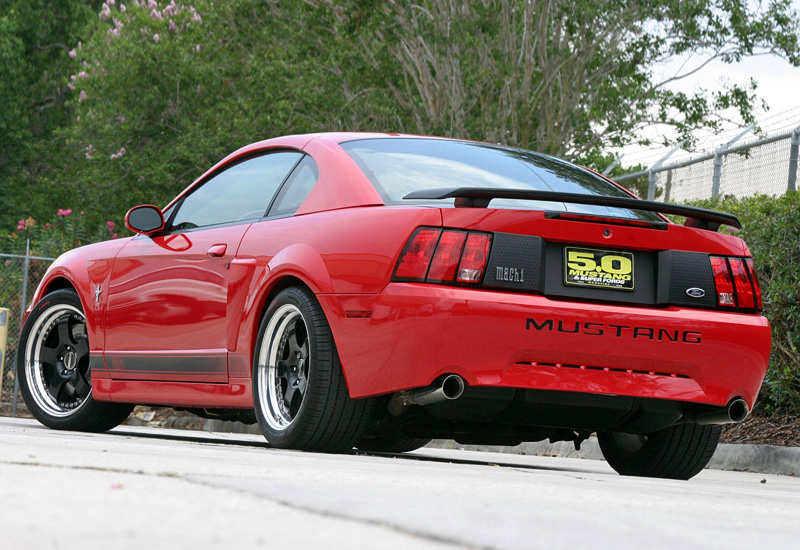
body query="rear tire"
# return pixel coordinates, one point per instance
(300, 396)
(391, 443)
(53, 368)
(677, 452)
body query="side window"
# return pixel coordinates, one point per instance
(239, 193)
(300, 183)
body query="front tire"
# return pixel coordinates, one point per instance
(300, 396)
(677, 452)
(54, 372)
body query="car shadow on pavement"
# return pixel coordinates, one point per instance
(211, 440)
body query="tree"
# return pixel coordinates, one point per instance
(35, 38)
(566, 77)
(162, 90)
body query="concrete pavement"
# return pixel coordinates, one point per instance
(156, 488)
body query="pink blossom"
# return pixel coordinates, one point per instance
(20, 225)
(83, 74)
(118, 154)
(110, 226)
(72, 53)
(82, 96)
(64, 213)
(172, 26)
(156, 15)
(114, 236)
(70, 85)
(197, 48)
(105, 12)
(122, 8)
(155, 38)
(196, 18)
(111, 2)
(89, 150)
(73, 77)
(49, 226)
(81, 212)
(152, 4)
(80, 45)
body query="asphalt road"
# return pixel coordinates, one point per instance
(150, 488)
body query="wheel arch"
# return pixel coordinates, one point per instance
(272, 288)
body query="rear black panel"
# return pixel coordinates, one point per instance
(532, 265)
(643, 293)
(680, 271)
(515, 261)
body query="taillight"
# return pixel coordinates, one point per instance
(443, 256)
(473, 262)
(722, 282)
(744, 288)
(751, 268)
(736, 283)
(416, 256)
(445, 259)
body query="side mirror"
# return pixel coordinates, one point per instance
(144, 219)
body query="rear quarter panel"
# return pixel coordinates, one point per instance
(347, 251)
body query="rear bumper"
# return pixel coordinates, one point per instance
(418, 332)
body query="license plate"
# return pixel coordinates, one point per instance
(598, 268)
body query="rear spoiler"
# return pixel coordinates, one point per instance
(479, 197)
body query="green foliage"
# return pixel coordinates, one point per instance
(771, 228)
(97, 114)
(65, 231)
(35, 38)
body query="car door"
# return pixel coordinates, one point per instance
(167, 295)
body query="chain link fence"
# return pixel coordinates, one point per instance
(19, 277)
(761, 167)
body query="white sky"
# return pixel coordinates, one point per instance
(778, 84)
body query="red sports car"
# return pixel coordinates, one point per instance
(380, 290)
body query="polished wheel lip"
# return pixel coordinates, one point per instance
(46, 322)
(271, 393)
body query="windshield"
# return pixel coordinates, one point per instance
(398, 166)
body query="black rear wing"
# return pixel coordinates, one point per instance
(479, 197)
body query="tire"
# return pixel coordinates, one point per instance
(391, 443)
(677, 452)
(53, 368)
(300, 396)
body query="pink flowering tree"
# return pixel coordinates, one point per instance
(164, 89)
(65, 230)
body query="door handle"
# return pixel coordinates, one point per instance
(217, 250)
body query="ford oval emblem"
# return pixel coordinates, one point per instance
(695, 292)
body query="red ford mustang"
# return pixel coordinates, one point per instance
(377, 291)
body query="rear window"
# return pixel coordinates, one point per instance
(398, 166)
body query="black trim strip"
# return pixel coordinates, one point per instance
(167, 364)
(479, 197)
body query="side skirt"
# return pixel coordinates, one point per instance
(236, 394)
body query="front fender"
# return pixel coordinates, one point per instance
(85, 269)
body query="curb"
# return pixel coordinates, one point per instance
(764, 459)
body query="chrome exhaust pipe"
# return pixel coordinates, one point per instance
(449, 388)
(452, 387)
(736, 411)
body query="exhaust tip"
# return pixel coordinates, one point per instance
(453, 386)
(738, 410)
